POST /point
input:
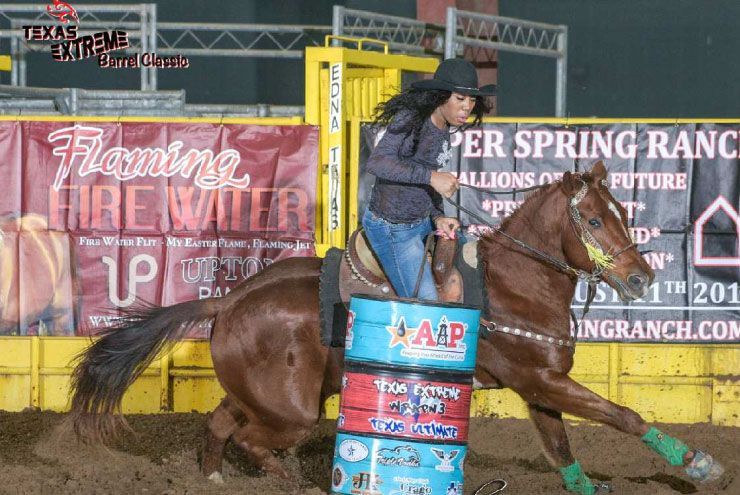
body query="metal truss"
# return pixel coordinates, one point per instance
(485, 34)
(164, 38)
(238, 40)
(504, 32)
(401, 34)
(465, 34)
(138, 20)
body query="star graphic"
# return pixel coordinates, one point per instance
(669, 257)
(640, 206)
(401, 334)
(655, 232)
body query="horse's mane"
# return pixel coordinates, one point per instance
(516, 215)
(531, 199)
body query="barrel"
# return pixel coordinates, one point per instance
(405, 402)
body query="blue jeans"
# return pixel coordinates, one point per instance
(400, 249)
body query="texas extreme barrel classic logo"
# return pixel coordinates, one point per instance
(68, 46)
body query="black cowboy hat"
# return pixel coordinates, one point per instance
(457, 75)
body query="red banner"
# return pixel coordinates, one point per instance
(99, 215)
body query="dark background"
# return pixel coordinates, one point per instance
(631, 58)
(663, 58)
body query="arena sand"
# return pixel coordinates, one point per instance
(40, 456)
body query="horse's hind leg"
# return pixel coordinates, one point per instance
(223, 422)
(258, 441)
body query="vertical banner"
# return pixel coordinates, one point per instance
(336, 139)
(680, 185)
(98, 217)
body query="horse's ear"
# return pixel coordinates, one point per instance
(598, 171)
(570, 184)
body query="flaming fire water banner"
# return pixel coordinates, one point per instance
(98, 216)
(680, 185)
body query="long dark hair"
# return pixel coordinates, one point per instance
(420, 103)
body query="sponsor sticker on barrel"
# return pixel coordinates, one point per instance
(431, 336)
(396, 467)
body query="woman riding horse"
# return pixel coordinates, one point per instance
(408, 186)
(268, 355)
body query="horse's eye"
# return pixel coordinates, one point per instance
(595, 222)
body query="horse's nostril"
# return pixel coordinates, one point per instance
(635, 281)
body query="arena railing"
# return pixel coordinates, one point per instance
(400, 33)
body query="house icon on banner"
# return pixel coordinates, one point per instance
(699, 258)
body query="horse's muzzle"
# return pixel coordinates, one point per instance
(635, 286)
(638, 283)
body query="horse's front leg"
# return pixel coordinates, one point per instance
(549, 424)
(552, 433)
(558, 391)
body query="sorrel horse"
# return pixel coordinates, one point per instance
(268, 356)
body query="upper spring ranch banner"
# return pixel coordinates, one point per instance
(680, 185)
(96, 217)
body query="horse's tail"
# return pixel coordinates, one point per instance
(113, 362)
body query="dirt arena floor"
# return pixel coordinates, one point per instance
(37, 456)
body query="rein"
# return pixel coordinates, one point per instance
(506, 191)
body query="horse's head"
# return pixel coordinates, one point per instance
(598, 240)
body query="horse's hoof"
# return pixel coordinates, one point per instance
(216, 478)
(603, 487)
(703, 468)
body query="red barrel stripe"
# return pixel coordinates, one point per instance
(405, 406)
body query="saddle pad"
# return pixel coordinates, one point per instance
(332, 312)
(471, 270)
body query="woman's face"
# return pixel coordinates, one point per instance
(457, 108)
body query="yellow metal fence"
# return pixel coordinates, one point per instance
(670, 383)
(663, 382)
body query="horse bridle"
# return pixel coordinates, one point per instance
(603, 261)
(576, 220)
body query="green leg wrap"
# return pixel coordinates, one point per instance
(671, 449)
(576, 480)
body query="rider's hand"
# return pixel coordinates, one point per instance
(444, 183)
(447, 227)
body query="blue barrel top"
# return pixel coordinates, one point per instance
(429, 335)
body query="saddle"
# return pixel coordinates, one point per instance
(357, 271)
(360, 271)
